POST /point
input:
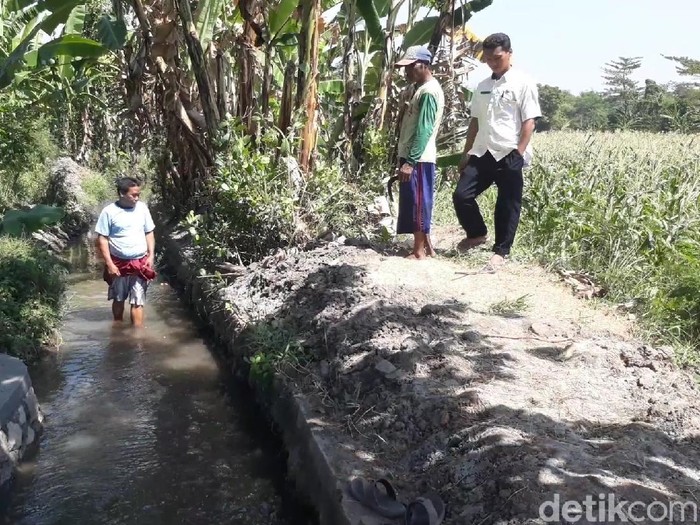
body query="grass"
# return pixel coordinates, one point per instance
(624, 207)
(31, 286)
(510, 307)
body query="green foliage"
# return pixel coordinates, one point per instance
(18, 223)
(510, 307)
(273, 349)
(31, 285)
(624, 207)
(26, 149)
(257, 203)
(98, 188)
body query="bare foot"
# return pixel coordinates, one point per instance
(416, 256)
(497, 260)
(429, 250)
(494, 264)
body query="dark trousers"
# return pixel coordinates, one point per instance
(477, 177)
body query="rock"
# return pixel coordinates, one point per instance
(4, 445)
(14, 436)
(442, 310)
(325, 369)
(646, 379)
(445, 418)
(65, 190)
(21, 416)
(471, 336)
(542, 329)
(31, 436)
(385, 367)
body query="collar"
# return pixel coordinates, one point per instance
(503, 76)
(119, 205)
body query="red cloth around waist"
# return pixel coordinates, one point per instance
(130, 267)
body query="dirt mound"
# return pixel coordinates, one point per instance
(502, 392)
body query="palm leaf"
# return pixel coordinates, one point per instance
(205, 17)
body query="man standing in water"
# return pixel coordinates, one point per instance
(126, 242)
(418, 151)
(504, 109)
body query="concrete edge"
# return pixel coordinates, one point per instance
(307, 444)
(21, 418)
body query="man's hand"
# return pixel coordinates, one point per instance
(405, 172)
(463, 163)
(150, 260)
(112, 269)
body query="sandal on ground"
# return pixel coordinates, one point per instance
(426, 510)
(379, 496)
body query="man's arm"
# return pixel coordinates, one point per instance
(103, 249)
(529, 112)
(427, 111)
(151, 243)
(528, 128)
(472, 132)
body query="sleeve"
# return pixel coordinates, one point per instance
(148, 225)
(102, 226)
(530, 105)
(424, 129)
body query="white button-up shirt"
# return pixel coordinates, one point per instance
(501, 106)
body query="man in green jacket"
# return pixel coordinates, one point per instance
(418, 150)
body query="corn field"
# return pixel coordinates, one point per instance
(626, 208)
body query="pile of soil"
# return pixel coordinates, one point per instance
(502, 392)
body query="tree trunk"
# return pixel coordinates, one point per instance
(220, 83)
(349, 80)
(310, 34)
(246, 89)
(387, 67)
(287, 106)
(207, 95)
(267, 80)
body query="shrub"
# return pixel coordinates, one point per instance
(257, 202)
(26, 149)
(31, 287)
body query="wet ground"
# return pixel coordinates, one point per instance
(144, 427)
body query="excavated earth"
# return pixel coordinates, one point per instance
(501, 392)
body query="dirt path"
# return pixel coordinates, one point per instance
(502, 392)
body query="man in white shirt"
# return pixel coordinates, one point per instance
(504, 109)
(126, 242)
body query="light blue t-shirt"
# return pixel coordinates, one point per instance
(126, 229)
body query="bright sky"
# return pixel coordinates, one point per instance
(567, 42)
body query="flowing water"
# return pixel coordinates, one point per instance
(144, 427)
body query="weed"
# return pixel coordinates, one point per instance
(510, 307)
(273, 349)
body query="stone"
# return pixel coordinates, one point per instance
(542, 329)
(33, 405)
(646, 379)
(385, 367)
(21, 416)
(4, 445)
(31, 436)
(14, 436)
(325, 369)
(471, 336)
